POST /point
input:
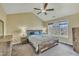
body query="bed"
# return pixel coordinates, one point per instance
(42, 42)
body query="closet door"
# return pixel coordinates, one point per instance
(76, 39)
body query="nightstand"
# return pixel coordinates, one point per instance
(23, 40)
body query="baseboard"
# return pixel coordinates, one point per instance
(66, 44)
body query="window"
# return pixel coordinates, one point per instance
(63, 28)
(58, 28)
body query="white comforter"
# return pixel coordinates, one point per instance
(38, 39)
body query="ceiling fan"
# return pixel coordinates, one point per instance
(44, 9)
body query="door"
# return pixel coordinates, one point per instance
(75, 32)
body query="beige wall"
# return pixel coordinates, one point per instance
(73, 22)
(45, 24)
(14, 21)
(3, 17)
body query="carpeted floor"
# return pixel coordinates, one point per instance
(23, 50)
(59, 50)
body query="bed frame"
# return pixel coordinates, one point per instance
(44, 48)
(47, 46)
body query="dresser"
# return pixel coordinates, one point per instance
(75, 32)
(5, 45)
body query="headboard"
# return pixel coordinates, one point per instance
(34, 32)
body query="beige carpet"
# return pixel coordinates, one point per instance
(59, 50)
(22, 50)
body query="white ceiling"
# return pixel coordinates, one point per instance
(61, 9)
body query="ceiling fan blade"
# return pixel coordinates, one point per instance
(45, 13)
(36, 8)
(38, 12)
(45, 6)
(50, 9)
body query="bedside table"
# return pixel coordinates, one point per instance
(24, 40)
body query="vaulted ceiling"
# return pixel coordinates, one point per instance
(60, 9)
